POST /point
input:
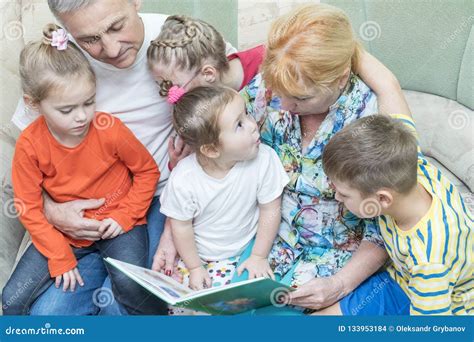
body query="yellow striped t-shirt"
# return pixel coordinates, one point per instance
(433, 261)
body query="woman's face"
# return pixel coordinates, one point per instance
(315, 101)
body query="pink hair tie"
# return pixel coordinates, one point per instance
(175, 93)
(59, 39)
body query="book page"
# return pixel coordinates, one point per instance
(153, 280)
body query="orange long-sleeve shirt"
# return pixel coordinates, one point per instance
(109, 163)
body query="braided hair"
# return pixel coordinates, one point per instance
(186, 44)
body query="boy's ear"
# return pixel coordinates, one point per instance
(209, 73)
(30, 103)
(344, 78)
(210, 151)
(385, 198)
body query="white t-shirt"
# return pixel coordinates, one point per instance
(131, 95)
(224, 211)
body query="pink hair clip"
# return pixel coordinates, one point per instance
(175, 93)
(59, 39)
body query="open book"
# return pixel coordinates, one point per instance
(222, 300)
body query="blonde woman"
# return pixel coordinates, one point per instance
(311, 64)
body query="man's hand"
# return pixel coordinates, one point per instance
(177, 150)
(69, 217)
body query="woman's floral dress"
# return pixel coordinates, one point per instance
(317, 235)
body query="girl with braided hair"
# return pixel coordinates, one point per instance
(189, 52)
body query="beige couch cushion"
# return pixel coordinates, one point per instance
(11, 231)
(446, 131)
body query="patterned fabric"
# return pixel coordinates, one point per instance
(221, 273)
(317, 235)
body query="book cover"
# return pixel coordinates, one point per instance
(222, 300)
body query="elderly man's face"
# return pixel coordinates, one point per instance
(109, 30)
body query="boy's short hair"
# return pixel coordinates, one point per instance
(371, 153)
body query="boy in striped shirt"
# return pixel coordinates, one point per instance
(377, 169)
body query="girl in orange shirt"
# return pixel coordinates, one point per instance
(72, 152)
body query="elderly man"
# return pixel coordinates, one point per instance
(115, 38)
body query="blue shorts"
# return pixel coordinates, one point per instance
(378, 295)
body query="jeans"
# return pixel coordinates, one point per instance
(55, 301)
(31, 277)
(156, 224)
(93, 297)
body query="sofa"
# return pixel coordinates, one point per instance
(428, 45)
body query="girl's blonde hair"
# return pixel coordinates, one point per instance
(196, 115)
(43, 67)
(311, 46)
(188, 43)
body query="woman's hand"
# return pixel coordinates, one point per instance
(70, 279)
(166, 256)
(257, 267)
(318, 293)
(199, 279)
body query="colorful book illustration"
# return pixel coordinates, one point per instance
(222, 300)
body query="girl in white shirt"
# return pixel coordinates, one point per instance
(225, 193)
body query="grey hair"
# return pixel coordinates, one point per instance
(65, 6)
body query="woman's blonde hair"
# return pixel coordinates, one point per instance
(44, 67)
(188, 43)
(196, 115)
(311, 46)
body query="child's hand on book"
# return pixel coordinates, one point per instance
(70, 279)
(109, 229)
(257, 266)
(199, 278)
